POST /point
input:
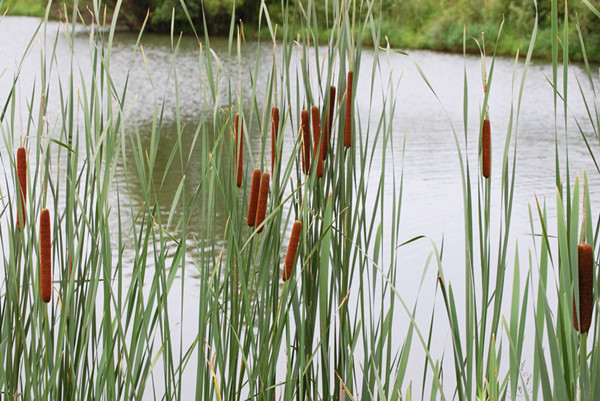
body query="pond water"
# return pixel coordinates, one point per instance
(432, 203)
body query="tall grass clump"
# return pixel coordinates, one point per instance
(482, 336)
(567, 258)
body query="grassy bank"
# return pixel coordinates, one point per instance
(433, 25)
(31, 8)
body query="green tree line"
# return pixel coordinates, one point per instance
(426, 24)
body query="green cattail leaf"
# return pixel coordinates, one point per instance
(324, 270)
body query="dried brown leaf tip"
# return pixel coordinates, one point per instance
(239, 153)
(348, 120)
(304, 132)
(585, 261)
(253, 204)
(22, 187)
(486, 149)
(45, 257)
(274, 132)
(318, 150)
(290, 257)
(263, 197)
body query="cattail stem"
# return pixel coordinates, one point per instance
(239, 156)
(274, 131)
(304, 128)
(348, 120)
(318, 150)
(263, 196)
(290, 257)
(585, 261)
(253, 205)
(486, 149)
(22, 177)
(328, 120)
(45, 257)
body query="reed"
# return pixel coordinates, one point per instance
(486, 149)
(263, 197)
(253, 203)
(290, 256)
(304, 132)
(348, 119)
(274, 131)
(329, 113)
(45, 257)
(585, 263)
(239, 148)
(22, 177)
(318, 142)
(334, 333)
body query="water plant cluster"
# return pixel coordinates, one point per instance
(291, 249)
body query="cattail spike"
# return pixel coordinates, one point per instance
(290, 257)
(263, 196)
(328, 120)
(235, 135)
(486, 149)
(585, 260)
(253, 205)
(274, 131)
(45, 257)
(22, 177)
(304, 127)
(318, 150)
(348, 120)
(239, 156)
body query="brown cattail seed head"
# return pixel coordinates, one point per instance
(263, 196)
(486, 149)
(328, 120)
(318, 150)
(585, 260)
(22, 187)
(274, 131)
(304, 128)
(253, 205)
(348, 120)
(239, 153)
(45, 257)
(290, 257)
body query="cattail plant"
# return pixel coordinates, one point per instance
(304, 129)
(274, 131)
(263, 196)
(253, 204)
(318, 150)
(328, 120)
(585, 261)
(486, 149)
(22, 177)
(239, 152)
(290, 257)
(45, 257)
(348, 120)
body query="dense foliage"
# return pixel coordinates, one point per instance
(427, 24)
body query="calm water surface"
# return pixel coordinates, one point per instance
(432, 199)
